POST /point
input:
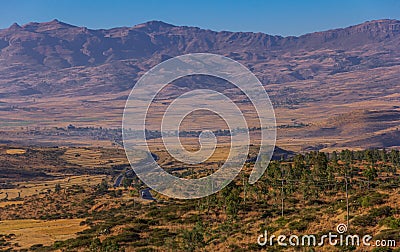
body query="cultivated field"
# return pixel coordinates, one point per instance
(35, 232)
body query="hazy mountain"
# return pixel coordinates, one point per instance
(55, 73)
(54, 56)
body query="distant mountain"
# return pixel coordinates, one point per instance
(52, 57)
(54, 74)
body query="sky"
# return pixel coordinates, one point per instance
(272, 17)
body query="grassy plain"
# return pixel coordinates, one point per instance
(30, 232)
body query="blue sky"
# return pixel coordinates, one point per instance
(272, 17)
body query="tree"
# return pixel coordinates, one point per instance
(57, 188)
(298, 166)
(102, 188)
(334, 158)
(383, 155)
(306, 183)
(126, 182)
(395, 158)
(371, 173)
(346, 156)
(320, 168)
(369, 157)
(194, 239)
(320, 162)
(233, 203)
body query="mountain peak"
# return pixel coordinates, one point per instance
(382, 25)
(14, 26)
(51, 25)
(57, 23)
(381, 21)
(154, 25)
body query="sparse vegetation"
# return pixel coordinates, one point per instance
(311, 185)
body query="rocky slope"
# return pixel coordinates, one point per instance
(50, 57)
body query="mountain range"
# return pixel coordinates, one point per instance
(310, 78)
(37, 57)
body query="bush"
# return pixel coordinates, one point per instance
(392, 234)
(194, 239)
(391, 222)
(373, 199)
(36, 246)
(81, 241)
(124, 237)
(111, 246)
(298, 225)
(102, 188)
(385, 211)
(364, 221)
(372, 218)
(281, 221)
(381, 249)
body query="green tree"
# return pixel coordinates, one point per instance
(233, 203)
(57, 188)
(126, 182)
(369, 157)
(298, 166)
(371, 173)
(334, 158)
(194, 239)
(102, 188)
(394, 158)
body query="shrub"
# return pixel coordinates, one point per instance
(391, 234)
(281, 221)
(194, 239)
(364, 221)
(298, 225)
(36, 246)
(382, 249)
(391, 222)
(125, 237)
(373, 199)
(371, 219)
(384, 211)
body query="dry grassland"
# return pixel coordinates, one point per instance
(30, 232)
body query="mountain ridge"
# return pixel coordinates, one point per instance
(149, 38)
(54, 45)
(55, 73)
(393, 25)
